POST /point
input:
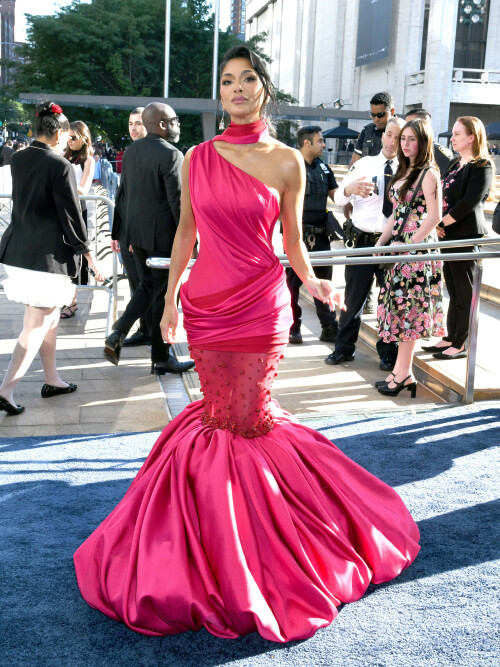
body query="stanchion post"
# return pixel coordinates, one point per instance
(473, 329)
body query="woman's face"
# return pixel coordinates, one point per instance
(460, 140)
(75, 142)
(241, 91)
(409, 144)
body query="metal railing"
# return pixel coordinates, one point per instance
(111, 290)
(354, 256)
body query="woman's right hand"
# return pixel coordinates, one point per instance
(95, 268)
(169, 322)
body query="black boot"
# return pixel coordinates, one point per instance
(113, 346)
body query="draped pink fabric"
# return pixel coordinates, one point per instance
(241, 519)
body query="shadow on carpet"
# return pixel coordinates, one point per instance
(55, 490)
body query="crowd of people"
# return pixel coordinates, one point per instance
(241, 519)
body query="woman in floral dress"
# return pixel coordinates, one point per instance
(410, 303)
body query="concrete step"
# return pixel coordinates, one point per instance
(446, 378)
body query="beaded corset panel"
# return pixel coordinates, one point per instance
(236, 388)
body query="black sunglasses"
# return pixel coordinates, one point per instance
(380, 114)
(174, 119)
(72, 138)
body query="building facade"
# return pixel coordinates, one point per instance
(441, 55)
(8, 46)
(238, 17)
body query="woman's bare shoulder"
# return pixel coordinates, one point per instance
(283, 154)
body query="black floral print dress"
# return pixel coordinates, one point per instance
(411, 302)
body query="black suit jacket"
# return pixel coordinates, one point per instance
(465, 198)
(148, 202)
(47, 232)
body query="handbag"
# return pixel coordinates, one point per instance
(409, 208)
(496, 219)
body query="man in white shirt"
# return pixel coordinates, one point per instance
(365, 187)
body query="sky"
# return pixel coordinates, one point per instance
(51, 6)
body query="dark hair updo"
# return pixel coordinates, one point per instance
(259, 66)
(49, 119)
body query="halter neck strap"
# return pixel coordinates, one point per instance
(250, 133)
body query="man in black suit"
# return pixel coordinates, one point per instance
(151, 179)
(142, 336)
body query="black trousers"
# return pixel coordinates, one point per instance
(358, 281)
(83, 276)
(459, 278)
(133, 281)
(149, 295)
(326, 316)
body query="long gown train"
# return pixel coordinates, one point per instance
(241, 519)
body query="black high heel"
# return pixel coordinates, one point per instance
(387, 391)
(380, 383)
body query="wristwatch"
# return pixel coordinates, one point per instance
(440, 224)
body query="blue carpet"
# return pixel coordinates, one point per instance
(442, 611)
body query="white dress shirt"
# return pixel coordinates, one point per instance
(367, 211)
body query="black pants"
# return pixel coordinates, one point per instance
(133, 281)
(83, 277)
(358, 281)
(149, 295)
(326, 316)
(459, 278)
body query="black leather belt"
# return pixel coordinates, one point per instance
(369, 239)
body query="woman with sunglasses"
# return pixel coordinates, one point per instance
(79, 152)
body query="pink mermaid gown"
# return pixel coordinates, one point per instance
(241, 519)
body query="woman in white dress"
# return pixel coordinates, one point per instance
(41, 251)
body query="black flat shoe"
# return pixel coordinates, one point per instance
(435, 348)
(387, 391)
(49, 390)
(338, 358)
(457, 355)
(9, 408)
(113, 346)
(171, 365)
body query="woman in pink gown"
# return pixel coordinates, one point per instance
(241, 519)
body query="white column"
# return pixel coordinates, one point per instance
(439, 61)
(492, 56)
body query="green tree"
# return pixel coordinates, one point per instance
(116, 47)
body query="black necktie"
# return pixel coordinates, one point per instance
(387, 207)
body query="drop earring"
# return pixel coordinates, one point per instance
(221, 123)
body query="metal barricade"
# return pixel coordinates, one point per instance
(392, 256)
(111, 290)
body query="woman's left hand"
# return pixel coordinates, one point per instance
(324, 291)
(441, 232)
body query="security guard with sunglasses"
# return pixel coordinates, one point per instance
(370, 140)
(320, 184)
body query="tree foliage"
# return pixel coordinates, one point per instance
(116, 47)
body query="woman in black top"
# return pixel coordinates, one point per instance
(466, 185)
(41, 250)
(79, 153)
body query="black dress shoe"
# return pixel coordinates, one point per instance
(337, 358)
(386, 365)
(9, 408)
(295, 338)
(49, 390)
(171, 365)
(138, 338)
(381, 383)
(385, 390)
(329, 334)
(457, 355)
(113, 346)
